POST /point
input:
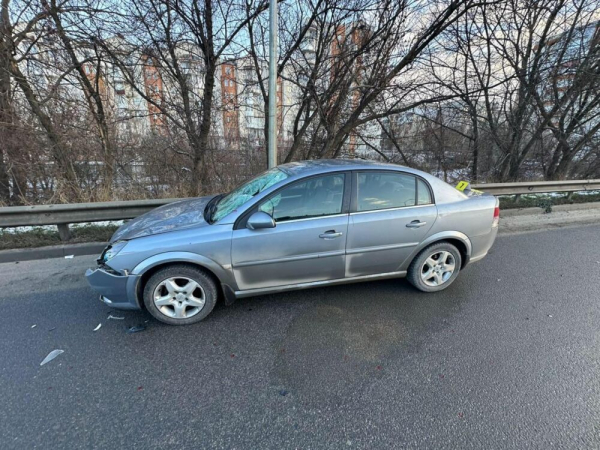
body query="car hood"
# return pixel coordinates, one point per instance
(170, 217)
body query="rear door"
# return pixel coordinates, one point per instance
(391, 213)
(308, 242)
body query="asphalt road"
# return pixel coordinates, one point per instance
(507, 357)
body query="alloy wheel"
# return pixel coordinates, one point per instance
(179, 297)
(438, 268)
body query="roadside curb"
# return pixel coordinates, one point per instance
(562, 216)
(54, 251)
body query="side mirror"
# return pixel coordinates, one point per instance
(260, 220)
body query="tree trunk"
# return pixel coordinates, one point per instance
(65, 167)
(562, 170)
(93, 98)
(5, 106)
(475, 135)
(201, 146)
(4, 184)
(266, 129)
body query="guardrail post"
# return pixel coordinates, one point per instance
(570, 195)
(63, 231)
(517, 198)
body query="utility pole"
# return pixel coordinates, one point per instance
(272, 141)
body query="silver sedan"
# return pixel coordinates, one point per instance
(297, 226)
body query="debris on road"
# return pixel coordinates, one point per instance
(53, 354)
(69, 256)
(283, 392)
(33, 326)
(550, 315)
(136, 329)
(115, 317)
(98, 327)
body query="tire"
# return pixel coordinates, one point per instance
(423, 274)
(180, 294)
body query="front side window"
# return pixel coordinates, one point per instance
(384, 190)
(315, 197)
(246, 192)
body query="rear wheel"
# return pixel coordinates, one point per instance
(435, 268)
(180, 295)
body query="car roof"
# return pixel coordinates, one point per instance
(310, 167)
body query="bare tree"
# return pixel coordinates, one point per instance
(19, 43)
(568, 96)
(68, 20)
(501, 64)
(182, 40)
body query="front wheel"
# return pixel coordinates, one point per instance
(180, 295)
(435, 268)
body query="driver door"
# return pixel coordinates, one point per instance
(308, 242)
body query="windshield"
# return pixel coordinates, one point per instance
(245, 192)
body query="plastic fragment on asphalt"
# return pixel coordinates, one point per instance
(98, 327)
(283, 392)
(53, 354)
(136, 329)
(69, 256)
(549, 315)
(33, 326)
(115, 317)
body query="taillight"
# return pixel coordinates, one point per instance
(496, 216)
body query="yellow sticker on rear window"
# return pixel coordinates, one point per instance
(462, 185)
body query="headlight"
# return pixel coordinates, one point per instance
(112, 250)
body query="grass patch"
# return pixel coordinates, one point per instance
(546, 201)
(41, 237)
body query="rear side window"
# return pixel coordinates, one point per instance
(423, 193)
(383, 190)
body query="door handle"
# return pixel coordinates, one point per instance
(331, 234)
(415, 224)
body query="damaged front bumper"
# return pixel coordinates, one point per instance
(116, 290)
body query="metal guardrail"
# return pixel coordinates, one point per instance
(63, 215)
(538, 187)
(16, 216)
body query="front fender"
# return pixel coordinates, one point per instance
(441, 236)
(223, 273)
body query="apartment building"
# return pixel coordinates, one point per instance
(138, 91)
